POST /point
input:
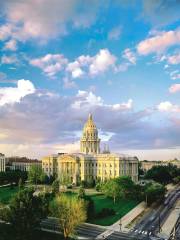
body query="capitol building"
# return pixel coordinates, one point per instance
(90, 164)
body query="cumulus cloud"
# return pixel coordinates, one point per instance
(102, 61)
(10, 95)
(47, 19)
(50, 64)
(168, 107)
(159, 43)
(115, 33)
(174, 88)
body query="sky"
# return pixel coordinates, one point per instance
(63, 59)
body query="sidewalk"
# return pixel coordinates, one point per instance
(121, 224)
(171, 220)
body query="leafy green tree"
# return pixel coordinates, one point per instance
(112, 189)
(70, 211)
(36, 174)
(154, 192)
(126, 186)
(55, 186)
(25, 213)
(81, 193)
(159, 174)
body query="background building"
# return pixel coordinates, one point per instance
(2, 163)
(146, 165)
(90, 164)
(21, 163)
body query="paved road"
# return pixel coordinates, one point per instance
(150, 224)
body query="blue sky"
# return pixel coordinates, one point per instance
(117, 59)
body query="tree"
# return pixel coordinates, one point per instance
(112, 189)
(25, 213)
(126, 186)
(154, 192)
(81, 193)
(55, 186)
(36, 174)
(20, 184)
(70, 211)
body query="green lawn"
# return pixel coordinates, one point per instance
(121, 207)
(6, 193)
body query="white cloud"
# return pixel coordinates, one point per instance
(123, 106)
(11, 45)
(86, 99)
(159, 43)
(174, 88)
(46, 19)
(129, 55)
(75, 69)
(174, 59)
(168, 107)
(9, 59)
(50, 64)
(10, 95)
(115, 33)
(102, 62)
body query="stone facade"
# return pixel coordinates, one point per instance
(2, 163)
(90, 164)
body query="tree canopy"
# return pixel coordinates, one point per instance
(70, 211)
(25, 212)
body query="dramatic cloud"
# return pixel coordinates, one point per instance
(10, 95)
(115, 33)
(159, 43)
(50, 64)
(174, 88)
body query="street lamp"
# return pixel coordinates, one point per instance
(120, 225)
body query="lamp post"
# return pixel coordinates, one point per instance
(120, 225)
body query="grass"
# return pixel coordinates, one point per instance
(121, 207)
(6, 193)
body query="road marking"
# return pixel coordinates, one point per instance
(136, 230)
(140, 231)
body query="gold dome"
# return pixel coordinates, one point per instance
(90, 141)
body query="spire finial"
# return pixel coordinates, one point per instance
(90, 116)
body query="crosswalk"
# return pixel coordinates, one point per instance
(144, 232)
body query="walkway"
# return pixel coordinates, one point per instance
(124, 221)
